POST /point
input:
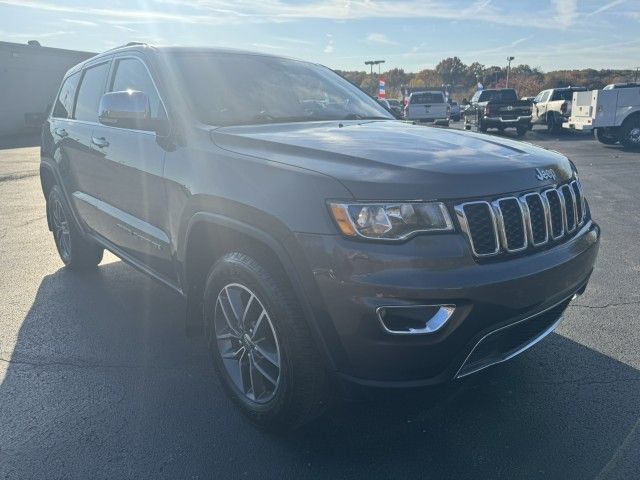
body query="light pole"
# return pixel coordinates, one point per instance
(371, 63)
(509, 59)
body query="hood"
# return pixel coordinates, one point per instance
(393, 160)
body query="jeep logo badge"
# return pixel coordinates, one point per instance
(545, 174)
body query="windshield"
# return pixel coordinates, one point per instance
(240, 89)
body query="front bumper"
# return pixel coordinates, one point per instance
(355, 279)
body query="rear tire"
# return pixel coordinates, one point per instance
(76, 251)
(553, 126)
(287, 385)
(630, 132)
(604, 137)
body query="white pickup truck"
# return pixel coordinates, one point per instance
(614, 114)
(553, 107)
(428, 106)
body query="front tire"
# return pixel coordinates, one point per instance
(261, 346)
(630, 132)
(76, 251)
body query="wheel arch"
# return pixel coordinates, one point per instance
(209, 236)
(47, 181)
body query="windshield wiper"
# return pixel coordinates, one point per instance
(356, 116)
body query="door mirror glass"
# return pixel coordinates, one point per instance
(127, 109)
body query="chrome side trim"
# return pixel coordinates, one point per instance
(520, 350)
(432, 325)
(462, 219)
(502, 229)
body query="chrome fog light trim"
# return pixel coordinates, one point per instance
(433, 321)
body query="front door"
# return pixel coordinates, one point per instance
(133, 197)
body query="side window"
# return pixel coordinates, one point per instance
(476, 96)
(538, 97)
(545, 96)
(64, 103)
(131, 74)
(91, 89)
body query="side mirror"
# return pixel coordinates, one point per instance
(126, 109)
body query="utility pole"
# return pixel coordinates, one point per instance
(509, 59)
(635, 75)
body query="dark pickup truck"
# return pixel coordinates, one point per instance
(498, 108)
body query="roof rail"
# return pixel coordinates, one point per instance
(130, 44)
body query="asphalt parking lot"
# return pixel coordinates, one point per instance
(98, 380)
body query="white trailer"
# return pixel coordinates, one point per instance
(613, 114)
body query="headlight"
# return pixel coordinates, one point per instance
(390, 221)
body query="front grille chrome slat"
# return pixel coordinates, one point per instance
(510, 219)
(515, 223)
(537, 218)
(474, 218)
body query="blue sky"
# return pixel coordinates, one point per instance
(409, 34)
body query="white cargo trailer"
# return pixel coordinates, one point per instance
(613, 113)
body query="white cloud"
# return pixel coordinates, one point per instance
(606, 6)
(85, 23)
(379, 39)
(566, 11)
(216, 12)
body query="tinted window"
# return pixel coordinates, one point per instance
(426, 97)
(64, 104)
(500, 96)
(232, 89)
(91, 89)
(564, 94)
(131, 74)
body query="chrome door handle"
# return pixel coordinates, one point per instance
(61, 132)
(99, 142)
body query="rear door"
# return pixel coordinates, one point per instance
(62, 131)
(84, 170)
(131, 196)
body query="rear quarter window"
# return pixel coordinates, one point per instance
(63, 107)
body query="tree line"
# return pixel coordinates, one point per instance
(462, 80)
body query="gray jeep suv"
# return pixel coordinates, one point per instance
(318, 242)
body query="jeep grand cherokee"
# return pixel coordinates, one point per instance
(317, 240)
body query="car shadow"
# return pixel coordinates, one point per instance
(102, 382)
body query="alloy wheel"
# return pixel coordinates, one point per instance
(247, 342)
(61, 232)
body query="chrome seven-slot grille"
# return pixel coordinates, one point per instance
(513, 224)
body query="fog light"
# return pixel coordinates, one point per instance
(414, 319)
